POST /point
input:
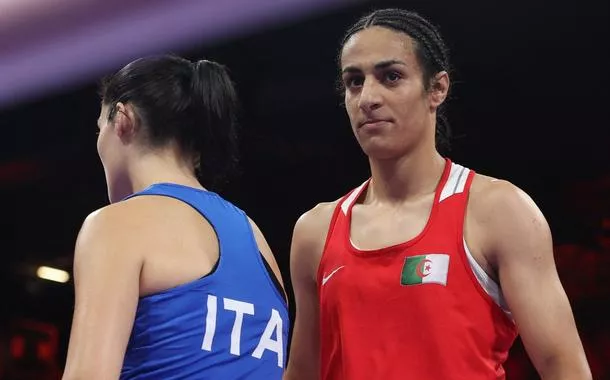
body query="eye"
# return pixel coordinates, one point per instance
(392, 77)
(353, 81)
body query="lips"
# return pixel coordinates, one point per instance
(373, 122)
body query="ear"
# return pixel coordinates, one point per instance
(439, 89)
(126, 122)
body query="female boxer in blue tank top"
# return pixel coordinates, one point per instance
(171, 280)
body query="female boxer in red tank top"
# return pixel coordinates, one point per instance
(426, 270)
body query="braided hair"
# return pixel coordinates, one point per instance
(430, 49)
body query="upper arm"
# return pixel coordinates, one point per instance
(308, 240)
(265, 250)
(106, 280)
(519, 245)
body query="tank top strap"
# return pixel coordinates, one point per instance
(454, 195)
(458, 183)
(233, 230)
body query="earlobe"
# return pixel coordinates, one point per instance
(439, 89)
(125, 121)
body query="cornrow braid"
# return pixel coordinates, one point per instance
(430, 50)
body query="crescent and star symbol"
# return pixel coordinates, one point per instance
(423, 268)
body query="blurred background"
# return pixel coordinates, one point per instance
(530, 91)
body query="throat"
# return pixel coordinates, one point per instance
(380, 226)
(396, 182)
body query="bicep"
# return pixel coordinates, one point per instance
(535, 296)
(304, 348)
(267, 253)
(106, 297)
(523, 251)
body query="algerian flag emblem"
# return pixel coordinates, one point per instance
(425, 269)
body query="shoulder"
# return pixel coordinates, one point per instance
(494, 198)
(259, 237)
(315, 222)
(505, 214)
(115, 217)
(118, 228)
(308, 239)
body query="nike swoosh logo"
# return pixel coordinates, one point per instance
(326, 278)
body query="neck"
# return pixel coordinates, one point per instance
(159, 167)
(411, 175)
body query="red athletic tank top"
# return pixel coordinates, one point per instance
(414, 310)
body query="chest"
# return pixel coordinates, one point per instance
(374, 227)
(389, 287)
(384, 257)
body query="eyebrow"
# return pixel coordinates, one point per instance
(378, 66)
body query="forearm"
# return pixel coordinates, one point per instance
(567, 368)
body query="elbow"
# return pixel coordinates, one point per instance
(73, 376)
(88, 374)
(294, 373)
(566, 368)
(84, 376)
(289, 374)
(76, 376)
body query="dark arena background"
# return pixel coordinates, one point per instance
(529, 104)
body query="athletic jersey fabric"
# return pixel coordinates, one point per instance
(230, 324)
(414, 310)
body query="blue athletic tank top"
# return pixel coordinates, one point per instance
(229, 324)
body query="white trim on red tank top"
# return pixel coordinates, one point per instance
(487, 283)
(349, 202)
(454, 184)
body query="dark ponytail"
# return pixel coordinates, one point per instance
(191, 104)
(215, 105)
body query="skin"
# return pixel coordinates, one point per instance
(504, 229)
(130, 242)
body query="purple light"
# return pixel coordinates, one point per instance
(83, 51)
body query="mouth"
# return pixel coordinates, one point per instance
(373, 123)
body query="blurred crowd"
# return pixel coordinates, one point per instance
(584, 270)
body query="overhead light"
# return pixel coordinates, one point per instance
(52, 274)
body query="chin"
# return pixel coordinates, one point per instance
(380, 151)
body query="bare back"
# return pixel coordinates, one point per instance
(178, 244)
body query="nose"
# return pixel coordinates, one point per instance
(370, 96)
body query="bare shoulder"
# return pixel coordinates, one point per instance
(491, 196)
(517, 242)
(314, 223)
(505, 215)
(134, 211)
(308, 239)
(120, 226)
(104, 310)
(106, 221)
